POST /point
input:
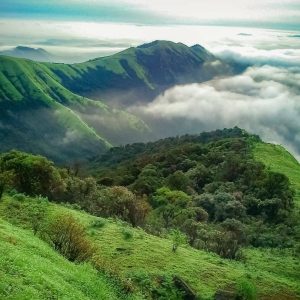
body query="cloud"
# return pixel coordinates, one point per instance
(287, 57)
(257, 13)
(263, 100)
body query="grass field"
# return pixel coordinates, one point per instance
(278, 159)
(143, 255)
(31, 269)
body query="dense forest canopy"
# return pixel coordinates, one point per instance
(206, 189)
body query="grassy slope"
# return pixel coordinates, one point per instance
(204, 272)
(277, 158)
(140, 73)
(30, 89)
(30, 269)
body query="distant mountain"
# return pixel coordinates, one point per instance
(37, 54)
(140, 74)
(47, 108)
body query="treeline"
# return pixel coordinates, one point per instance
(208, 188)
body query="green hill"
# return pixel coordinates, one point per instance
(277, 158)
(46, 108)
(191, 217)
(39, 115)
(141, 73)
(30, 269)
(42, 112)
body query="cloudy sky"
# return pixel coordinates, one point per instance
(282, 14)
(90, 28)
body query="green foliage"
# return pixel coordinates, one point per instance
(127, 233)
(30, 174)
(210, 178)
(246, 290)
(67, 236)
(178, 238)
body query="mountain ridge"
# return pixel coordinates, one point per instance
(139, 74)
(81, 104)
(35, 54)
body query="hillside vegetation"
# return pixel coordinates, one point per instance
(141, 73)
(31, 269)
(196, 217)
(124, 258)
(39, 115)
(277, 158)
(57, 109)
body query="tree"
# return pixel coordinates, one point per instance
(32, 175)
(178, 238)
(178, 181)
(6, 179)
(119, 202)
(169, 204)
(148, 181)
(199, 176)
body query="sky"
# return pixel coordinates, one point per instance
(264, 34)
(279, 14)
(92, 28)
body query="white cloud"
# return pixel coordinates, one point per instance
(264, 100)
(222, 10)
(83, 39)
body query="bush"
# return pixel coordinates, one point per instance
(178, 238)
(127, 233)
(99, 223)
(119, 202)
(30, 174)
(68, 237)
(246, 290)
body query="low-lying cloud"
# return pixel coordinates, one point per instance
(263, 100)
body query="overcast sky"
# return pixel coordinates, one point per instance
(284, 14)
(92, 28)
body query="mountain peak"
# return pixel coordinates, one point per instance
(37, 54)
(30, 49)
(159, 43)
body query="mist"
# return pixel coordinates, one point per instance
(263, 100)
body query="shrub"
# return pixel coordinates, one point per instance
(99, 223)
(119, 202)
(127, 233)
(68, 237)
(30, 174)
(246, 290)
(178, 238)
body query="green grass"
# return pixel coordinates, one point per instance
(272, 272)
(31, 269)
(278, 159)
